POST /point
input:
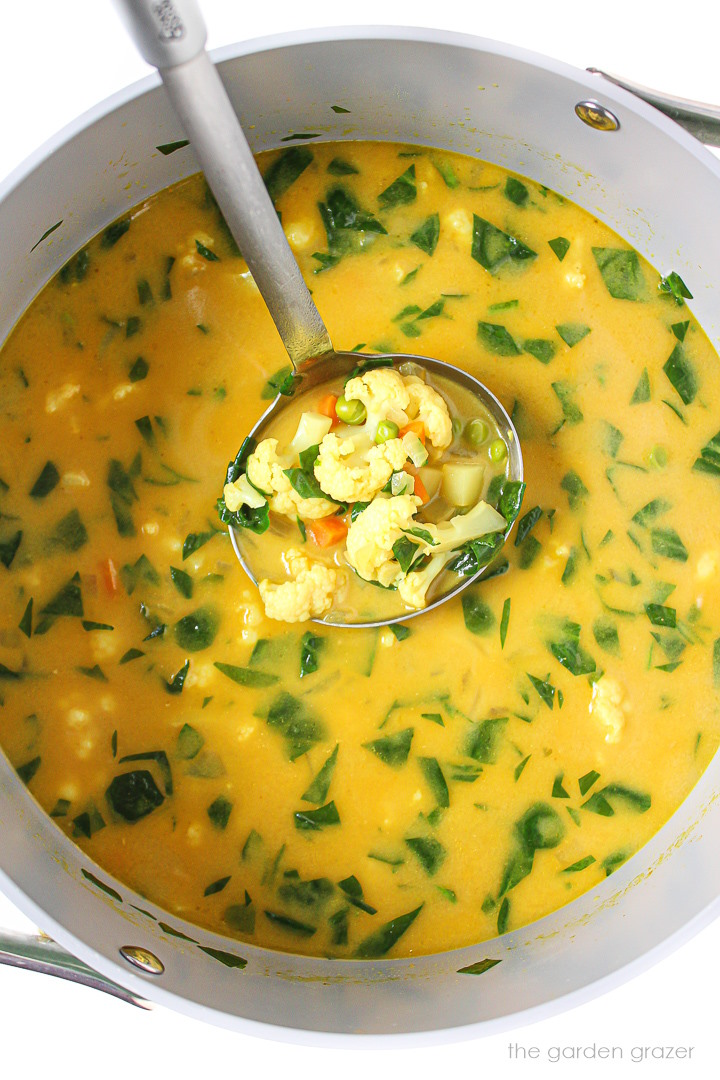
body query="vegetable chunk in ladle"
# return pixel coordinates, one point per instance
(426, 561)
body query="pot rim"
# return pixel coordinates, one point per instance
(113, 969)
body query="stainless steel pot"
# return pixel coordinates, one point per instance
(587, 139)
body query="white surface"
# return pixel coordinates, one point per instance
(60, 58)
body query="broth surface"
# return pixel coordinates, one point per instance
(352, 792)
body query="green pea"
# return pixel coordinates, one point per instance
(386, 430)
(350, 412)
(457, 427)
(476, 432)
(497, 450)
(658, 457)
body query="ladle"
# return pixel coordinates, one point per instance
(171, 35)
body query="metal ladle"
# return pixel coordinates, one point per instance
(171, 37)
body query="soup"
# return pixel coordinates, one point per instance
(359, 792)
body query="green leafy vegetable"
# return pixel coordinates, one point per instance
(576, 490)
(516, 191)
(310, 647)
(567, 650)
(681, 374)
(9, 548)
(219, 812)
(198, 630)
(494, 249)
(540, 348)
(318, 789)
(317, 819)
(483, 742)
(666, 542)
(246, 676)
(382, 941)
(294, 722)
(673, 285)
(46, 482)
(709, 460)
(497, 340)
(401, 192)
(134, 795)
(478, 617)
(572, 333)
(286, 169)
(641, 393)
(428, 851)
(189, 743)
(393, 749)
(427, 235)
(621, 272)
(436, 780)
(560, 246)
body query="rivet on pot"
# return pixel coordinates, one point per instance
(597, 116)
(143, 959)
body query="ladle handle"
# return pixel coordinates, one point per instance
(170, 34)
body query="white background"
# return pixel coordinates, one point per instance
(58, 58)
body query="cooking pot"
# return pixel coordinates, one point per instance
(587, 139)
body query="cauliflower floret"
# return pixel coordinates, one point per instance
(413, 587)
(371, 537)
(429, 407)
(384, 394)
(242, 493)
(609, 707)
(307, 595)
(348, 482)
(265, 471)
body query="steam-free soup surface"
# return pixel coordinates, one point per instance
(359, 792)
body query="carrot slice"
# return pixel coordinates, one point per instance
(326, 531)
(421, 491)
(109, 575)
(417, 427)
(326, 406)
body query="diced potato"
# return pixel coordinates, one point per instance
(311, 431)
(462, 482)
(431, 478)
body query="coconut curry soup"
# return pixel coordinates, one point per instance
(360, 792)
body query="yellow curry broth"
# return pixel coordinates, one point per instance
(229, 845)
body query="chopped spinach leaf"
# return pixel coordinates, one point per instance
(219, 812)
(175, 684)
(493, 248)
(666, 542)
(429, 852)
(318, 789)
(134, 795)
(621, 272)
(114, 232)
(382, 941)
(246, 676)
(497, 340)
(393, 749)
(189, 743)
(567, 650)
(436, 781)
(572, 333)
(540, 348)
(478, 617)
(427, 235)
(681, 374)
(139, 371)
(70, 532)
(504, 622)
(641, 393)
(310, 648)
(516, 191)
(286, 169)
(46, 482)
(317, 819)
(483, 742)
(576, 490)
(560, 246)
(673, 285)
(197, 630)
(294, 722)
(606, 635)
(401, 192)
(9, 548)
(709, 460)
(67, 601)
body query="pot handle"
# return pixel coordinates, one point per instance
(701, 120)
(41, 953)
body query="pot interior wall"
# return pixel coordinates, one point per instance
(648, 181)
